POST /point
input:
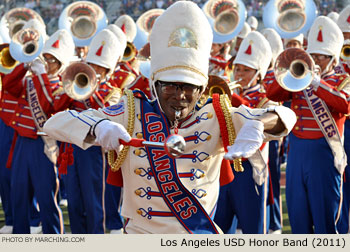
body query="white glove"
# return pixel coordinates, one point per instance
(37, 67)
(108, 134)
(315, 83)
(248, 140)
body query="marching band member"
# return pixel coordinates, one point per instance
(161, 194)
(86, 171)
(274, 199)
(128, 26)
(34, 158)
(343, 67)
(316, 157)
(250, 66)
(295, 42)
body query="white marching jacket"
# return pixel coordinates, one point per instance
(199, 174)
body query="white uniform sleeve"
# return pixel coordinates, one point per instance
(74, 127)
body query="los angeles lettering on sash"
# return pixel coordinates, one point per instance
(322, 115)
(165, 175)
(35, 106)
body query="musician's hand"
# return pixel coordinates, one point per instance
(248, 140)
(108, 134)
(315, 83)
(37, 67)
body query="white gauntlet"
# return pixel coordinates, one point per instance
(108, 134)
(248, 140)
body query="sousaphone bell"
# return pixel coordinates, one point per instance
(289, 17)
(14, 20)
(83, 20)
(144, 26)
(226, 18)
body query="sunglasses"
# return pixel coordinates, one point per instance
(171, 88)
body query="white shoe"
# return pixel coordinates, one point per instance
(63, 202)
(278, 231)
(6, 230)
(117, 231)
(36, 230)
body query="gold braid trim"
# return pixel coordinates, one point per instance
(116, 163)
(179, 67)
(225, 103)
(262, 102)
(111, 93)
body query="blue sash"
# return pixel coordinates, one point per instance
(182, 203)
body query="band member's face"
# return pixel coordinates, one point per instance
(246, 74)
(215, 49)
(346, 35)
(53, 64)
(238, 43)
(177, 97)
(293, 44)
(321, 60)
(102, 71)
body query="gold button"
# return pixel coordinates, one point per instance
(139, 135)
(296, 107)
(138, 192)
(297, 128)
(0, 109)
(138, 171)
(23, 96)
(17, 114)
(139, 116)
(260, 98)
(137, 152)
(147, 89)
(120, 77)
(208, 137)
(210, 115)
(298, 117)
(13, 122)
(138, 211)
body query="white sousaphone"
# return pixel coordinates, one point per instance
(289, 17)
(83, 20)
(226, 18)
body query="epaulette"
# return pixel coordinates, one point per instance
(262, 102)
(113, 91)
(126, 79)
(58, 91)
(345, 80)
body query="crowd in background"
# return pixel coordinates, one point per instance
(50, 10)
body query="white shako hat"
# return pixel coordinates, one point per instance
(334, 16)
(275, 42)
(255, 52)
(325, 37)
(245, 31)
(128, 26)
(253, 22)
(102, 50)
(180, 42)
(344, 19)
(61, 45)
(299, 38)
(120, 43)
(37, 25)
